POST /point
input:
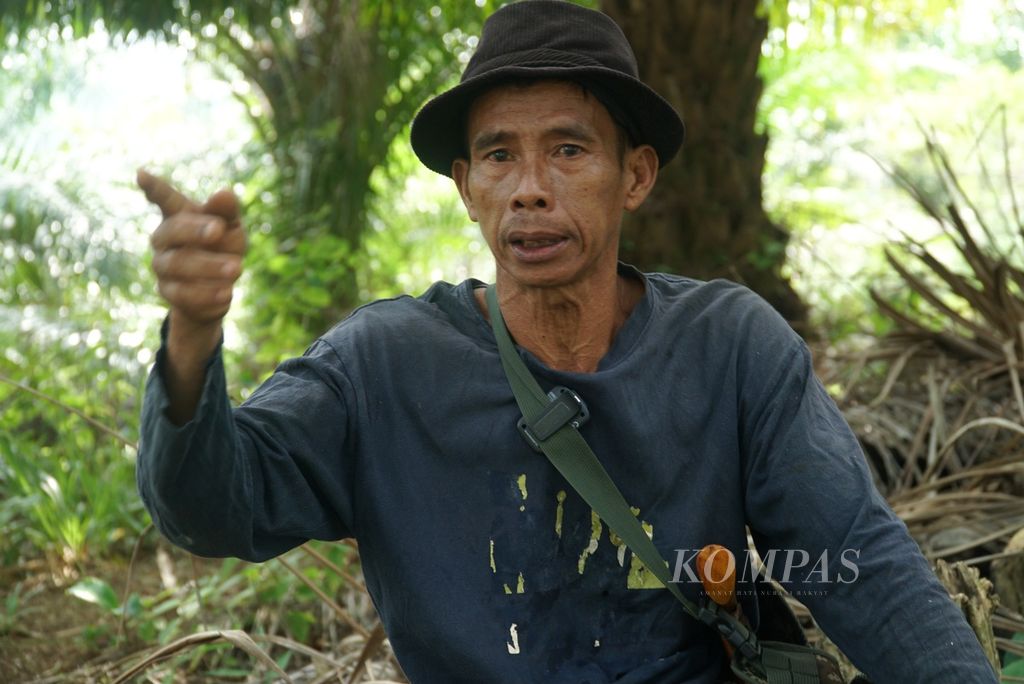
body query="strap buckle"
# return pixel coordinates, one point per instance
(565, 408)
(732, 630)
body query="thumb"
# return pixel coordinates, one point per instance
(225, 204)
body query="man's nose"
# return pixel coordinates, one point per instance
(533, 190)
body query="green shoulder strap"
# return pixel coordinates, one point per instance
(552, 431)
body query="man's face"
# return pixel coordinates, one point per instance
(548, 182)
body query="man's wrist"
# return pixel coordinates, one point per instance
(191, 343)
(189, 348)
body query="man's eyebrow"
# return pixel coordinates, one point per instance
(571, 131)
(490, 138)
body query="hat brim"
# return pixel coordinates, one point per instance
(438, 135)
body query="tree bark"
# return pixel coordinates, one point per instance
(974, 595)
(705, 218)
(1008, 575)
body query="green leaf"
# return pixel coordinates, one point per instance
(1014, 669)
(1014, 664)
(95, 590)
(148, 631)
(315, 296)
(133, 607)
(11, 602)
(299, 624)
(229, 672)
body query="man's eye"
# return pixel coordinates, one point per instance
(498, 155)
(569, 150)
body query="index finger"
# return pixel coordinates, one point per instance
(161, 193)
(187, 230)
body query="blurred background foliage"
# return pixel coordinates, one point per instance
(852, 84)
(303, 108)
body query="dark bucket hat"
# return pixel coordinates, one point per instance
(549, 39)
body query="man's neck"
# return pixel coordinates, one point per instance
(568, 328)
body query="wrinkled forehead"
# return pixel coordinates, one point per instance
(533, 99)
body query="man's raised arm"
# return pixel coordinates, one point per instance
(197, 257)
(252, 481)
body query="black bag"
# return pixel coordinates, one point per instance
(786, 657)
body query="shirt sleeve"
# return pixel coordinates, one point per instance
(837, 545)
(254, 481)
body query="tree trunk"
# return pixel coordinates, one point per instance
(705, 218)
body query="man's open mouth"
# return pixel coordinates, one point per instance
(538, 248)
(531, 244)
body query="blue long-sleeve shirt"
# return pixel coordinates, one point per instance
(398, 427)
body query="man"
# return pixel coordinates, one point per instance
(398, 426)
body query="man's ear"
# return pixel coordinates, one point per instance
(460, 174)
(641, 172)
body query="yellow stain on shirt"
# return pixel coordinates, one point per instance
(520, 586)
(522, 485)
(560, 498)
(617, 542)
(639, 576)
(595, 536)
(494, 568)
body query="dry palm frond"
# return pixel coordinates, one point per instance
(951, 395)
(972, 312)
(938, 405)
(238, 638)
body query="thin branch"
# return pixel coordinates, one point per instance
(978, 422)
(373, 643)
(986, 176)
(128, 580)
(338, 610)
(70, 409)
(326, 562)
(993, 556)
(1009, 175)
(1011, 362)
